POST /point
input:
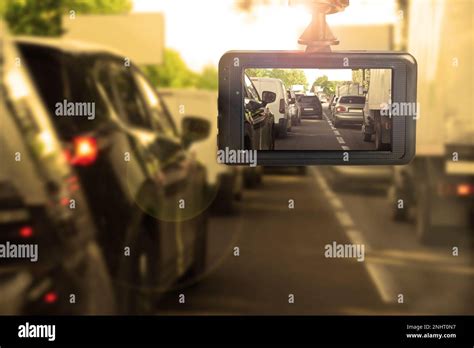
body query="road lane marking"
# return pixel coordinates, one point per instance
(336, 202)
(337, 132)
(340, 140)
(346, 148)
(344, 218)
(378, 273)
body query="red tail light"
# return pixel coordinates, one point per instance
(84, 151)
(341, 109)
(26, 232)
(452, 189)
(465, 190)
(50, 297)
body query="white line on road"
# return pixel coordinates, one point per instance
(340, 140)
(344, 218)
(337, 132)
(346, 148)
(379, 274)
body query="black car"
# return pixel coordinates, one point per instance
(43, 213)
(259, 133)
(310, 106)
(146, 192)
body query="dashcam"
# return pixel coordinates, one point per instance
(295, 108)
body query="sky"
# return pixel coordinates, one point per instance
(203, 30)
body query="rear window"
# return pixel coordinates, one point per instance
(352, 100)
(309, 99)
(62, 81)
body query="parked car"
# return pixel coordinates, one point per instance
(280, 106)
(259, 128)
(311, 107)
(143, 186)
(42, 208)
(225, 183)
(349, 109)
(332, 104)
(294, 109)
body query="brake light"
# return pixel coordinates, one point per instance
(84, 151)
(341, 109)
(50, 297)
(465, 190)
(451, 189)
(26, 232)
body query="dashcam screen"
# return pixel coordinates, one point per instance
(318, 109)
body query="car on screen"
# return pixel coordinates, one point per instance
(259, 121)
(43, 212)
(294, 109)
(349, 109)
(332, 104)
(280, 106)
(141, 182)
(310, 107)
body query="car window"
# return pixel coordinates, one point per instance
(352, 100)
(160, 119)
(309, 99)
(251, 90)
(132, 108)
(64, 79)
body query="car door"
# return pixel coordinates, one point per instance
(183, 175)
(163, 160)
(259, 116)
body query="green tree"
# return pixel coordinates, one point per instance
(43, 17)
(289, 77)
(329, 87)
(173, 72)
(208, 79)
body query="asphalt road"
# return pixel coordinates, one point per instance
(315, 134)
(281, 252)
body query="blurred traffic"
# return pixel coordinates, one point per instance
(112, 200)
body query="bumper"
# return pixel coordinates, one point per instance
(348, 117)
(313, 112)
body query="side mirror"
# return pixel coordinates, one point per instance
(253, 105)
(194, 129)
(268, 97)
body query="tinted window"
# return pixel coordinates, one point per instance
(160, 120)
(352, 100)
(129, 103)
(61, 78)
(309, 99)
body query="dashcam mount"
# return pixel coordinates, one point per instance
(318, 37)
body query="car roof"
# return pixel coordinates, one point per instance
(69, 46)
